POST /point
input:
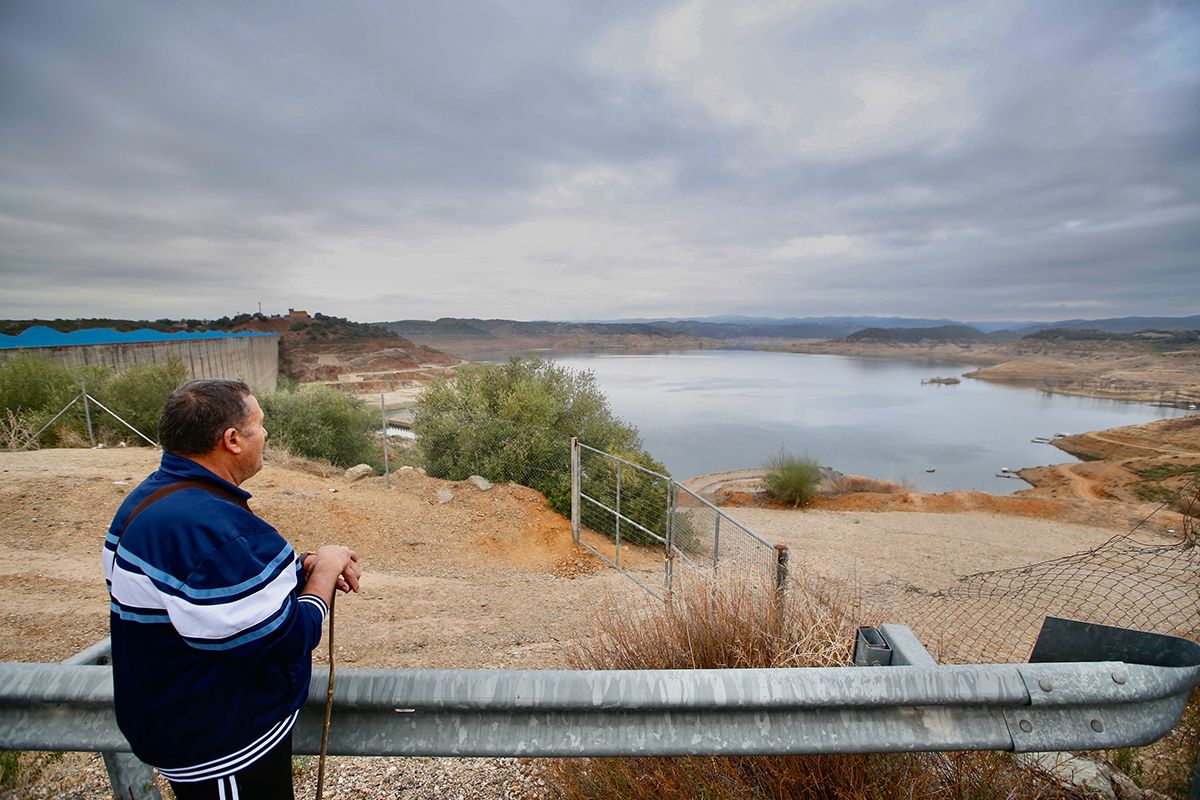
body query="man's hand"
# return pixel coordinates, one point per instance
(333, 566)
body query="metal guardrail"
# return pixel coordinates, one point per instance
(1121, 688)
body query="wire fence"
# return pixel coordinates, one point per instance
(1141, 580)
(619, 509)
(83, 420)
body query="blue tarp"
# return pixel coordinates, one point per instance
(41, 336)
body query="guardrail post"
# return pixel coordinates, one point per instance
(781, 572)
(87, 412)
(575, 484)
(127, 775)
(130, 777)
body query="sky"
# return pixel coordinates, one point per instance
(600, 160)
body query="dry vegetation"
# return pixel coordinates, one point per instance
(746, 626)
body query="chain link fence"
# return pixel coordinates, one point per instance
(1136, 579)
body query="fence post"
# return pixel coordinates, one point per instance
(781, 572)
(87, 412)
(716, 543)
(387, 474)
(670, 541)
(617, 539)
(575, 488)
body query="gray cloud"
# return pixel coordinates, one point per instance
(603, 160)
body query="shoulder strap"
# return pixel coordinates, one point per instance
(171, 488)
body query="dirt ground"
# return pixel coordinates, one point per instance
(483, 579)
(487, 579)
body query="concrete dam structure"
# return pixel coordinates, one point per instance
(252, 357)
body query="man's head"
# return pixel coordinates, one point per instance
(217, 423)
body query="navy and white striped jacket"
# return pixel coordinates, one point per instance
(211, 640)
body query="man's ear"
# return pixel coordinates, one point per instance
(231, 441)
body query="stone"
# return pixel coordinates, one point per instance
(1128, 790)
(445, 496)
(481, 483)
(1072, 772)
(358, 472)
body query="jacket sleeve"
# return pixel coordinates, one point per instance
(243, 600)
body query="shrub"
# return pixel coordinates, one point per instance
(324, 423)
(513, 421)
(137, 394)
(790, 479)
(33, 389)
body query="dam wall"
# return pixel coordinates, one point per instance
(253, 359)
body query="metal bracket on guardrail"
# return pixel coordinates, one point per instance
(1132, 694)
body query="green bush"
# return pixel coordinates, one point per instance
(34, 388)
(319, 422)
(514, 421)
(137, 394)
(791, 479)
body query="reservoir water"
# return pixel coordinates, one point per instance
(712, 410)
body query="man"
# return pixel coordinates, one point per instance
(213, 615)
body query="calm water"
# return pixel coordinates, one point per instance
(707, 411)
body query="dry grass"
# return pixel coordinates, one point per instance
(856, 484)
(743, 627)
(281, 456)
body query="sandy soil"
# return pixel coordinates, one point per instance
(447, 582)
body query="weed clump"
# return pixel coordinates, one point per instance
(791, 479)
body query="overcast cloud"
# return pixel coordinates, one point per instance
(532, 160)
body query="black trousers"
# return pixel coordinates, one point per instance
(268, 778)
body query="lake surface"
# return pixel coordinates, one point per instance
(713, 410)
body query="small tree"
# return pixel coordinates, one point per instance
(790, 479)
(320, 422)
(512, 421)
(137, 393)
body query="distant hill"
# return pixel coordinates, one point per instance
(496, 338)
(1161, 339)
(941, 333)
(11, 327)
(455, 328)
(758, 330)
(445, 327)
(317, 327)
(1116, 325)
